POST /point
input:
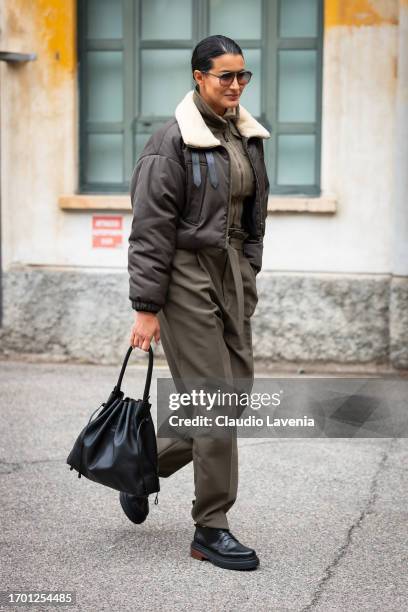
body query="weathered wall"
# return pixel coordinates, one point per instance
(40, 137)
(39, 128)
(333, 271)
(83, 316)
(358, 128)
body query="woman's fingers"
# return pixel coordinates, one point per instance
(134, 336)
(146, 344)
(139, 341)
(142, 333)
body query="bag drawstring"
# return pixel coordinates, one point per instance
(144, 420)
(138, 449)
(79, 473)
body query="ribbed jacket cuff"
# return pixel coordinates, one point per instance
(145, 306)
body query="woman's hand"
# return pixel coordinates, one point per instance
(145, 327)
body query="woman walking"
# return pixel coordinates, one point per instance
(199, 196)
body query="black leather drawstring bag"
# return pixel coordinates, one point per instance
(118, 448)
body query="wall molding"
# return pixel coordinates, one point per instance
(322, 204)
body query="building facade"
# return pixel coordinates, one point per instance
(83, 85)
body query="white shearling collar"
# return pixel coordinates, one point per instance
(195, 131)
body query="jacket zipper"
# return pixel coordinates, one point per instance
(245, 142)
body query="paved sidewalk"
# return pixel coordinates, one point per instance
(328, 517)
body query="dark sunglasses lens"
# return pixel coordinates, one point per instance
(244, 77)
(227, 78)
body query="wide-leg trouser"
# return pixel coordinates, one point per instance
(206, 332)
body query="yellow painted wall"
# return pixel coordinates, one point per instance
(360, 12)
(40, 133)
(52, 24)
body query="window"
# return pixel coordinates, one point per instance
(135, 67)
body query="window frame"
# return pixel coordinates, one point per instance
(273, 45)
(131, 45)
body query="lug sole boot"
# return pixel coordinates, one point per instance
(223, 549)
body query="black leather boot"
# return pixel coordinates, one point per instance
(135, 508)
(221, 548)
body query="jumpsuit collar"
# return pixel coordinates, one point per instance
(214, 121)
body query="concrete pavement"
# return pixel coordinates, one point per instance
(327, 517)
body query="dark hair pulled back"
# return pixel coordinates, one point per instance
(210, 47)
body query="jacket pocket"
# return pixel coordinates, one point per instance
(196, 180)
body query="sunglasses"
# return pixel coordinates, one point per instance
(227, 78)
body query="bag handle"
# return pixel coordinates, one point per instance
(117, 390)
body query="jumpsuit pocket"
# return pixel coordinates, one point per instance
(250, 290)
(253, 273)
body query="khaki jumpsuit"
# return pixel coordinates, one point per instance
(206, 332)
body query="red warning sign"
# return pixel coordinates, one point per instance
(107, 231)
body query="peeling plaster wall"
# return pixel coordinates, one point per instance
(358, 133)
(39, 128)
(400, 209)
(40, 120)
(360, 13)
(364, 164)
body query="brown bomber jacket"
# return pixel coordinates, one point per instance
(180, 193)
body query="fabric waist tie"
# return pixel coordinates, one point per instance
(234, 245)
(235, 242)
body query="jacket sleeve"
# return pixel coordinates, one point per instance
(254, 248)
(258, 267)
(157, 194)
